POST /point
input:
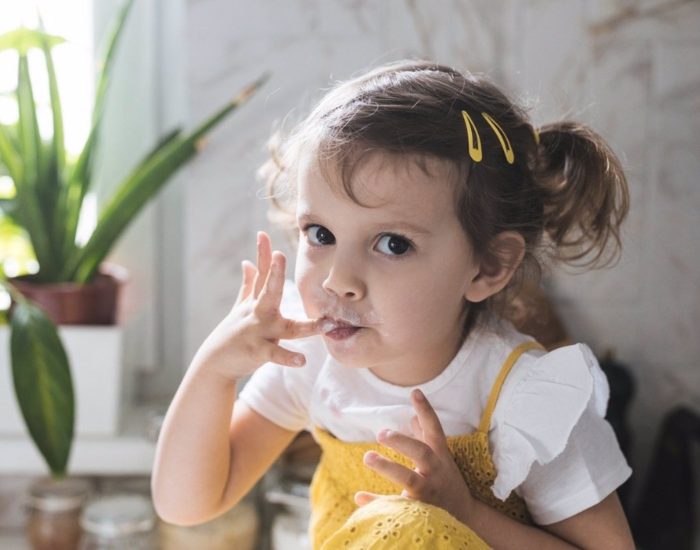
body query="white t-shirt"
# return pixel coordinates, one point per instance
(549, 440)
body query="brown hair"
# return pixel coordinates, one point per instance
(565, 192)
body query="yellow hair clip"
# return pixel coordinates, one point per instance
(502, 137)
(473, 139)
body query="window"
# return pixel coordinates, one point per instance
(145, 100)
(74, 60)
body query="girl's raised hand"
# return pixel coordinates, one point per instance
(249, 335)
(436, 479)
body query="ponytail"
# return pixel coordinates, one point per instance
(585, 193)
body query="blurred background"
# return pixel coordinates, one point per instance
(630, 69)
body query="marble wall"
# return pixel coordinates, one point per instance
(630, 69)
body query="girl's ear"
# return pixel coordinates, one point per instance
(494, 275)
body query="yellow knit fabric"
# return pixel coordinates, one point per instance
(397, 522)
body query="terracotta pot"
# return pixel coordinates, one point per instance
(94, 303)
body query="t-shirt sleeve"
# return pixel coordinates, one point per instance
(550, 440)
(590, 468)
(280, 393)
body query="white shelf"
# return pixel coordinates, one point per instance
(129, 453)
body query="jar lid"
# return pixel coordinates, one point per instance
(118, 515)
(62, 495)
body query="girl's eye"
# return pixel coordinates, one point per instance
(319, 235)
(393, 245)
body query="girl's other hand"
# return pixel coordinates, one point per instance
(436, 479)
(249, 335)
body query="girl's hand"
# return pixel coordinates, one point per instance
(248, 336)
(436, 479)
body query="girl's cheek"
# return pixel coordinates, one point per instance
(303, 265)
(304, 277)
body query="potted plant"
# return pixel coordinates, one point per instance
(50, 189)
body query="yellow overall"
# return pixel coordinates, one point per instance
(395, 521)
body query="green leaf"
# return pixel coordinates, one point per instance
(33, 213)
(22, 40)
(43, 385)
(107, 58)
(52, 181)
(80, 179)
(9, 155)
(28, 125)
(141, 185)
(58, 138)
(22, 160)
(104, 67)
(71, 200)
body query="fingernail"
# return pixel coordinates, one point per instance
(418, 395)
(385, 434)
(370, 457)
(298, 360)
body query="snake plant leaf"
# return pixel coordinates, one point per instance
(33, 214)
(80, 178)
(141, 185)
(28, 124)
(71, 200)
(43, 385)
(23, 39)
(58, 141)
(52, 179)
(9, 155)
(107, 57)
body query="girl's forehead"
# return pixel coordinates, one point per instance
(378, 179)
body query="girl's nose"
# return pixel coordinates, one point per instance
(344, 283)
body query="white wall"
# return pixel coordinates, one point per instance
(147, 99)
(634, 77)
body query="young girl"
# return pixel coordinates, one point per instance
(421, 197)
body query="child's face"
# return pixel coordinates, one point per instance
(397, 272)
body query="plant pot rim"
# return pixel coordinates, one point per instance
(69, 303)
(117, 272)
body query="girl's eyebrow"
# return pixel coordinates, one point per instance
(306, 218)
(406, 226)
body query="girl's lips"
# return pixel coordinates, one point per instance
(342, 332)
(338, 330)
(329, 324)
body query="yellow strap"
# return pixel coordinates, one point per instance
(498, 384)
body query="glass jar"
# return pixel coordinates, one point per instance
(119, 522)
(53, 513)
(237, 528)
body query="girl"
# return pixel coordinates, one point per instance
(422, 198)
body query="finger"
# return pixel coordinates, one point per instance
(271, 295)
(264, 249)
(249, 273)
(416, 427)
(282, 356)
(421, 454)
(299, 329)
(411, 480)
(363, 497)
(433, 433)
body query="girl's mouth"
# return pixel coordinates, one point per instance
(342, 333)
(339, 330)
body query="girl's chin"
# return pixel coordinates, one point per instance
(347, 350)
